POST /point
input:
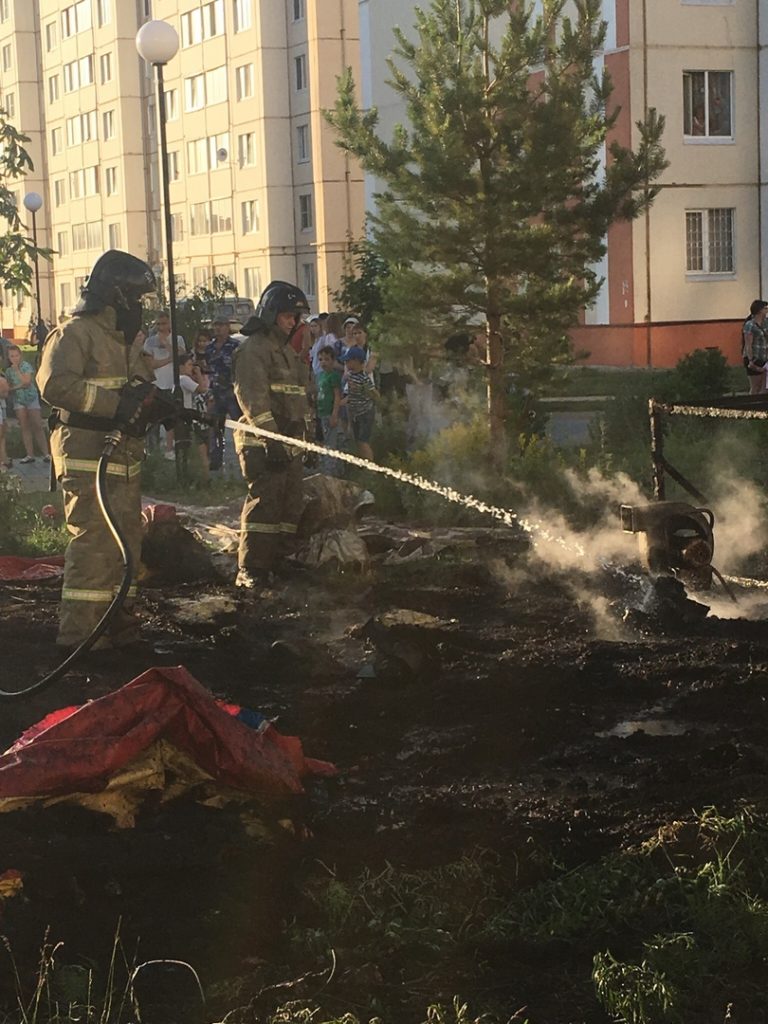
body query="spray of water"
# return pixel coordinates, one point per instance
(535, 527)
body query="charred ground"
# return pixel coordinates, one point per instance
(487, 746)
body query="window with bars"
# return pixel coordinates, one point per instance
(709, 241)
(707, 104)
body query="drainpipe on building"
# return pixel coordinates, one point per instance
(648, 289)
(43, 171)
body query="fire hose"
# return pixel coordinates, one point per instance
(111, 442)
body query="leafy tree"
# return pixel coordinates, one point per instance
(362, 283)
(17, 249)
(494, 206)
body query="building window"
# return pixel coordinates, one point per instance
(205, 89)
(79, 237)
(105, 12)
(173, 166)
(56, 141)
(76, 18)
(94, 234)
(200, 276)
(202, 23)
(250, 216)
(171, 105)
(110, 180)
(221, 216)
(302, 143)
(246, 149)
(709, 241)
(252, 282)
(84, 182)
(242, 12)
(199, 220)
(109, 124)
(5, 10)
(707, 104)
(194, 92)
(300, 65)
(115, 236)
(244, 79)
(208, 153)
(9, 103)
(59, 192)
(53, 88)
(306, 218)
(62, 243)
(105, 68)
(216, 86)
(7, 57)
(65, 295)
(81, 128)
(299, 9)
(51, 36)
(309, 280)
(177, 231)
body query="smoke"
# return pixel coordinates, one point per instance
(604, 542)
(741, 521)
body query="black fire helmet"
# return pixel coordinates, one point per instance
(277, 297)
(118, 280)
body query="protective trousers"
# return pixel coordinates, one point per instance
(93, 568)
(271, 511)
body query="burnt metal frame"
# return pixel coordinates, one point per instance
(743, 407)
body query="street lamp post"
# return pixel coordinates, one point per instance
(157, 43)
(32, 202)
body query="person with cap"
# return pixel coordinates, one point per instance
(754, 346)
(271, 383)
(219, 357)
(93, 374)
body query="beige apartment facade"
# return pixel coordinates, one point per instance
(683, 276)
(258, 189)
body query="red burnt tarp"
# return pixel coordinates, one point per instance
(15, 569)
(78, 750)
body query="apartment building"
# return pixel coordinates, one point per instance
(258, 188)
(683, 276)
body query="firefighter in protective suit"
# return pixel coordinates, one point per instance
(271, 388)
(94, 376)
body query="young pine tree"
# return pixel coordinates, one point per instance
(494, 202)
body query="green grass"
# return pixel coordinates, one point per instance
(589, 380)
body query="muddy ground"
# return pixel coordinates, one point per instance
(503, 728)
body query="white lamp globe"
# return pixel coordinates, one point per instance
(157, 42)
(33, 201)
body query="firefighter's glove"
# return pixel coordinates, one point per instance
(277, 455)
(141, 404)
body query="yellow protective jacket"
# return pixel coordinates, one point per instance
(85, 362)
(271, 384)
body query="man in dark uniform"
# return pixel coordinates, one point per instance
(271, 388)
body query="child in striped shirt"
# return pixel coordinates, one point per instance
(360, 396)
